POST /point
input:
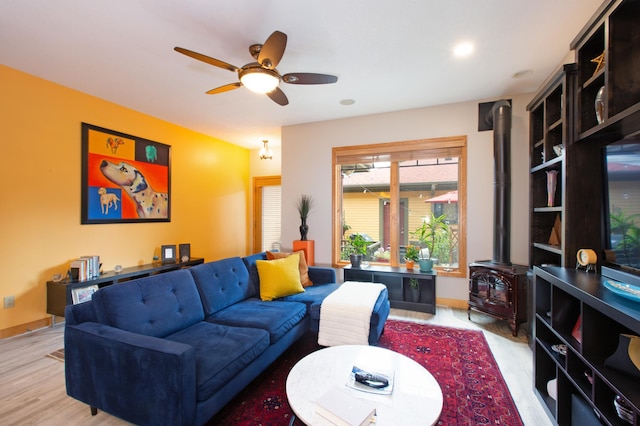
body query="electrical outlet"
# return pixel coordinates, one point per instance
(9, 302)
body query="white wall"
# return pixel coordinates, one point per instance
(306, 169)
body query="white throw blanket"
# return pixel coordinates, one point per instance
(345, 314)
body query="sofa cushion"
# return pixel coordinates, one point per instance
(302, 265)
(279, 277)
(250, 263)
(221, 353)
(158, 305)
(222, 283)
(275, 317)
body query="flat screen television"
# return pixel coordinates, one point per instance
(622, 204)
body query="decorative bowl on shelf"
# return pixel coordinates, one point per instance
(629, 291)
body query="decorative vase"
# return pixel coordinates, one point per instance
(304, 228)
(426, 265)
(601, 98)
(410, 264)
(552, 181)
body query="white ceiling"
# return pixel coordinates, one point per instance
(388, 55)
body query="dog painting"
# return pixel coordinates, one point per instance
(149, 203)
(107, 199)
(125, 178)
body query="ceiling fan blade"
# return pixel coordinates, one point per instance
(278, 96)
(207, 59)
(272, 50)
(308, 78)
(225, 88)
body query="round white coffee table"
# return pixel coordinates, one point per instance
(416, 398)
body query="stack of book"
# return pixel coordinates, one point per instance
(342, 409)
(85, 268)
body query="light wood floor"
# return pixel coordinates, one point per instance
(32, 390)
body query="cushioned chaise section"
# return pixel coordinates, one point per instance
(221, 352)
(222, 283)
(154, 306)
(313, 295)
(378, 309)
(275, 317)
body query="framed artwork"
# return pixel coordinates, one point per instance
(81, 295)
(125, 178)
(168, 253)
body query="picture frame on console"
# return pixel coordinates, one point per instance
(168, 253)
(81, 295)
(125, 178)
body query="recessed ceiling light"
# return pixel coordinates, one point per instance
(463, 49)
(347, 102)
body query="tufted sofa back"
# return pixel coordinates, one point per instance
(222, 283)
(158, 305)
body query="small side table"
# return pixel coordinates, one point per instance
(308, 247)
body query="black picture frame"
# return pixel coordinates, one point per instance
(168, 253)
(185, 251)
(125, 178)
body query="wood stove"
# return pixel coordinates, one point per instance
(497, 287)
(499, 291)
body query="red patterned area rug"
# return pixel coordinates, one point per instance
(473, 388)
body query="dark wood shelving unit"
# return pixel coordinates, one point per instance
(562, 296)
(551, 122)
(398, 286)
(59, 293)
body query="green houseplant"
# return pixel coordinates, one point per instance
(414, 286)
(429, 233)
(411, 255)
(304, 206)
(357, 249)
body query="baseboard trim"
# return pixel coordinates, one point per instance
(25, 328)
(452, 303)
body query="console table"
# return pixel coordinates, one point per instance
(59, 293)
(398, 285)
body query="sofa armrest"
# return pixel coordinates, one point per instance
(321, 275)
(141, 379)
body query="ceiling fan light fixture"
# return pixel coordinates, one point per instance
(259, 80)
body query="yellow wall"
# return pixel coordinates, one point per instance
(40, 208)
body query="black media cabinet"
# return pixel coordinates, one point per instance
(398, 285)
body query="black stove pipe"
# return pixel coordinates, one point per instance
(500, 117)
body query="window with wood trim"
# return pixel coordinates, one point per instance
(385, 191)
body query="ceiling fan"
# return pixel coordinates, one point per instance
(262, 76)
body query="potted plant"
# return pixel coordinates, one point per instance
(414, 285)
(304, 206)
(428, 233)
(357, 249)
(412, 255)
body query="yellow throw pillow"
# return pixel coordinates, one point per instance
(304, 269)
(279, 277)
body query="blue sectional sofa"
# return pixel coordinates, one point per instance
(174, 348)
